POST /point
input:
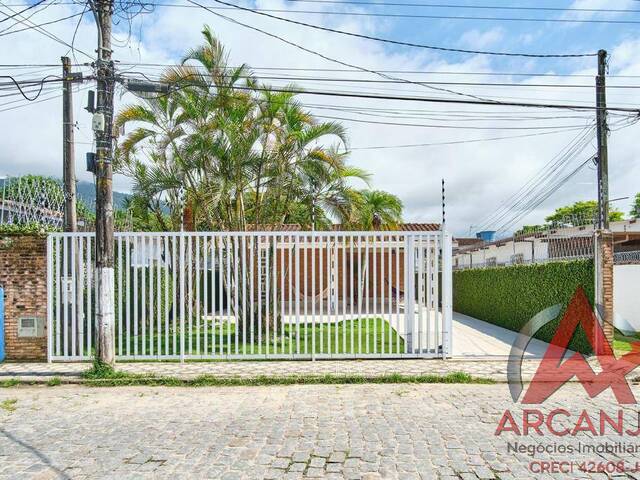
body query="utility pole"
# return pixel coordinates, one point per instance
(602, 132)
(604, 238)
(68, 153)
(103, 128)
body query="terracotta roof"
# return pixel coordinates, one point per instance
(466, 241)
(419, 227)
(404, 227)
(287, 227)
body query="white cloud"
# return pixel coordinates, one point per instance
(482, 39)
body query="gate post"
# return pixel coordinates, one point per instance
(447, 295)
(409, 292)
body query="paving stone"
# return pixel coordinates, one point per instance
(279, 432)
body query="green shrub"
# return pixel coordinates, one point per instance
(510, 296)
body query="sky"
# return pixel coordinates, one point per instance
(483, 176)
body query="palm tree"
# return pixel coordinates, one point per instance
(376, 210)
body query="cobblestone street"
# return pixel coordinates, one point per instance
(322, 431)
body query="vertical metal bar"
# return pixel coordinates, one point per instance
(236, 291)
(336, 287)
(190, 293)
(244, 294)
(360, 297)
(143, 299)
(205, 269)
(297, 293)
(330, 287)
(390, 291)
(344, 296)
(229, 287)
(151, 292)
(436, 292)
(65, 296)
(90, 291)
(274, 283)
(290, 295)
(322, 290)
(382, 321)
(447, 296)
(282, 306)
(267, 291)
(313, 295)
(374, 273)
(136, 256)
(215, 318)
(166, 293)
(259, 268)
(119, 297)
(351, 298)
(158, 336)
(398, 329)
(421, 298)
(50, 328)
(252, 281)
(182, 295)
(429, 294)
(367, 295)
(174, 279)
(127, 259)
(305, 269)
(197, 287)
(58, 280)
(72, 303)
(409, 293)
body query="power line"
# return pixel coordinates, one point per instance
(345, 70)
(427, 99)
(538, 185)
(459, 142)
(411, 15)
(397, 42)
(466, 7)
(330, 59)
(21, 11)
(50, 22)
(476, 84)
(457, 127)
(44, 32)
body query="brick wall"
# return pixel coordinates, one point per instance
(604, 263)
(23, 270)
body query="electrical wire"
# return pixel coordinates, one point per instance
(470, 7)
(46, 33)
(424, 99)
(459, 142)
(19, 87)
(397, 42)
(9, 17)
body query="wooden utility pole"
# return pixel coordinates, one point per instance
(103, 128)
(603, 238)
(68, 151)
(602, 132)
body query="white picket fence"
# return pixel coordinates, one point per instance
(256, 295)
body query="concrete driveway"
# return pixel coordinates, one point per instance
(473, 338)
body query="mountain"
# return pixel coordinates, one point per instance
(87, 192)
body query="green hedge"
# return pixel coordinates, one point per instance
(510, 296)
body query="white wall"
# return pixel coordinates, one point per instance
(626, 297)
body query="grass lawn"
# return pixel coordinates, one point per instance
(622, 343)
(370, 335)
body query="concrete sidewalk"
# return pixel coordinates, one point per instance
(72, 372)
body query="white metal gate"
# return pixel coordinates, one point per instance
(214, 295)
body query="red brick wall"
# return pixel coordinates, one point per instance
(23, 274)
